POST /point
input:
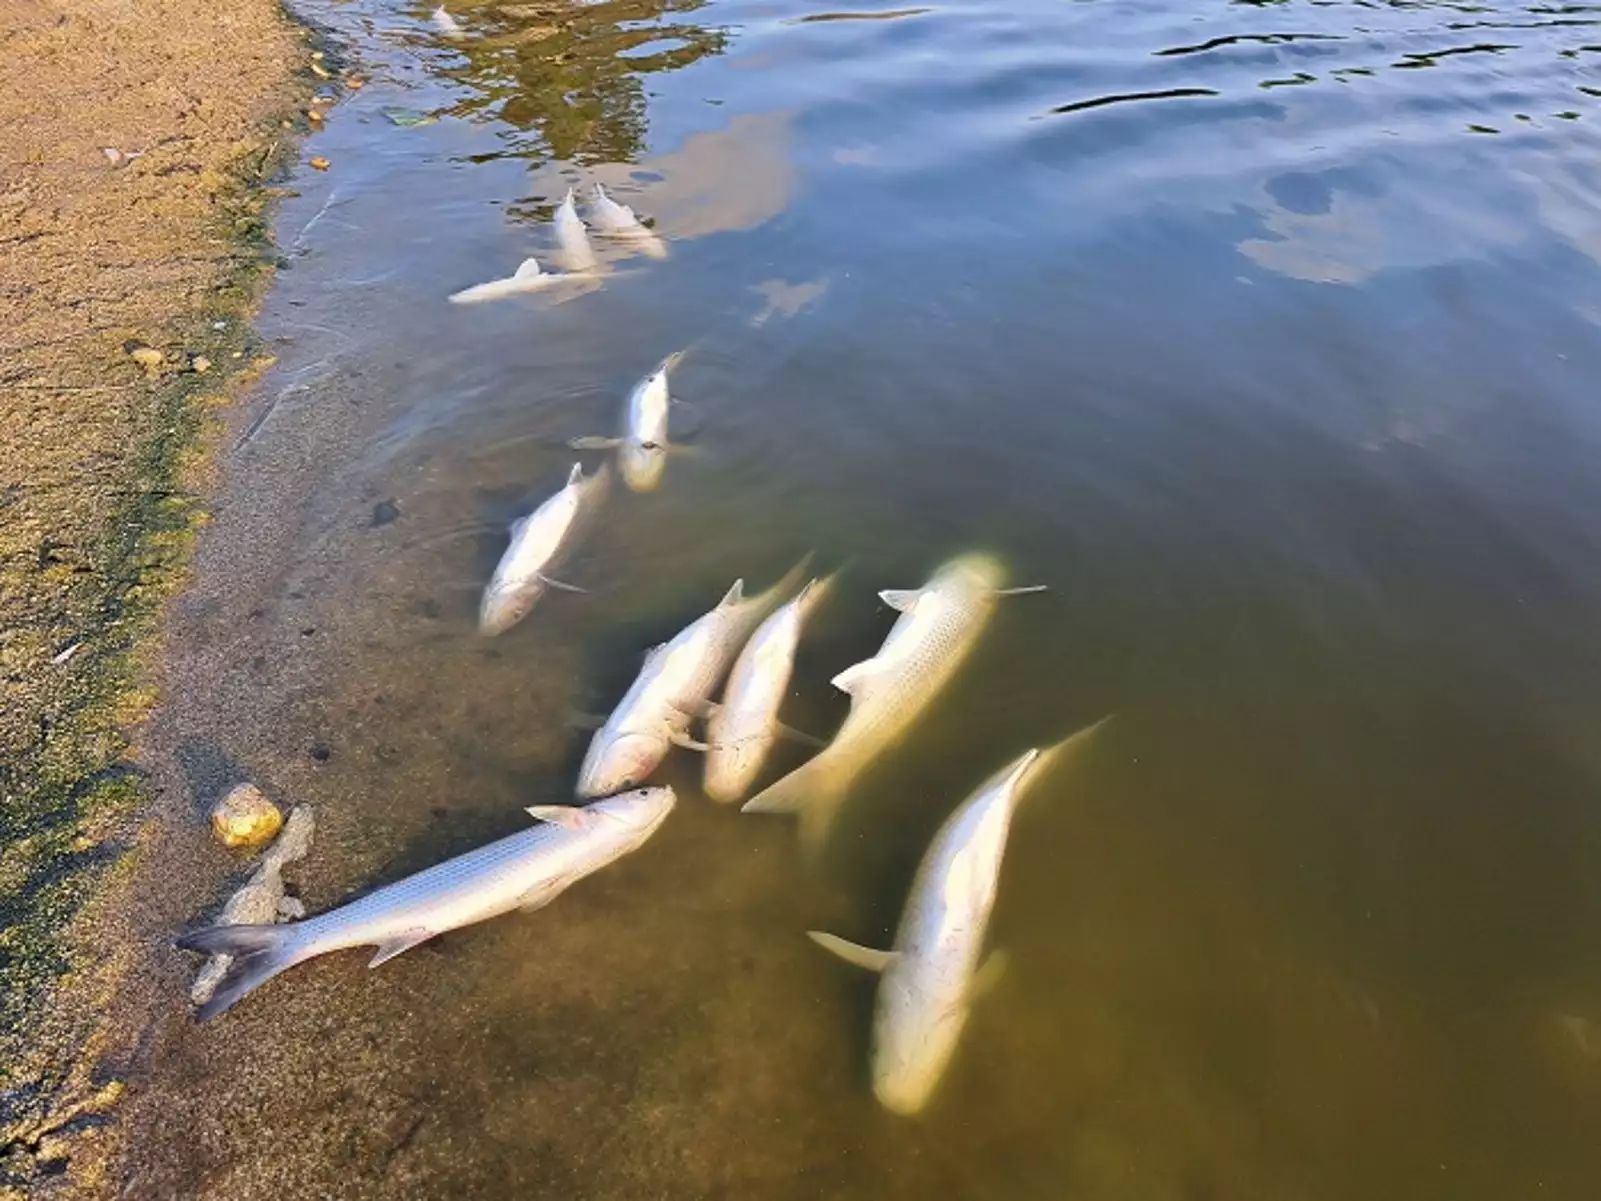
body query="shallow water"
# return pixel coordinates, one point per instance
(1264, 334)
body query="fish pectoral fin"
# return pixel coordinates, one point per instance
(1022, 591)
(561, 584)
(800, 736)
(527, 269)
(679, 738)
(900, 599)
(851, 678)
(568, 817)
(594, 443)
(852, 952)
(989, 974)
(400, 943)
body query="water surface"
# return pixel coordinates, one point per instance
(1264, 334)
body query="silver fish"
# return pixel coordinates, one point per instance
(538, 543)
(932, 975)
(642, 449)
(447, 24)
(742, 729)
(673, 688)
(525, 870)
(571, 237)
(939, 625)
(618, 221)
(527, 278)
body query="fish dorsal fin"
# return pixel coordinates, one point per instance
(518, 524)
(568, 817)
(576, 475)
(734, 595)
(399, 944)
(900, 599)
(527, 269)
(852, 952)
(849, 680)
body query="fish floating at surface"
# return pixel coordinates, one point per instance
(529, 277)
(673, 687)
(741, 730)
(525, 870)
(572, 239)
(939, 625)
(447, 24)
(539, 542)
(932, 975)
(643, 447)
(618, 221)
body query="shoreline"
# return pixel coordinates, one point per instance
(104, 471)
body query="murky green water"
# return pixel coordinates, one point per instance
(1265, 334)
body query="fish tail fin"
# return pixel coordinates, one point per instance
(815, 593)
(259, 953)
(814, 791)
(767, 601)
(1067, 749)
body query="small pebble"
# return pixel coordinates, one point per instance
(319, 164)
(200, 363)
(245, 817)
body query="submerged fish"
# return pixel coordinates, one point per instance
(932, 974)
(672, 689)
(937, 629)
(538, 543)
(521, 871)
(741, 730)
(642, 449)
(527, 278)
(576, 252)
(618, 221)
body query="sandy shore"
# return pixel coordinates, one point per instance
(136, 143)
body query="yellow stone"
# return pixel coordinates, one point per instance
(245, 818)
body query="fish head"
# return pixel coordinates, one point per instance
(503, 608)
(642, 464)
(618, 761)
(972, 572)
(730, 768)
(914, 1038)
(639, 811)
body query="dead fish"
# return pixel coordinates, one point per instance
(939, 625)
(614, 220)
(538, 543)
(447, 24)
(932, 975)
(672, 689)
(525, 870)
(740, 731)
(527, 278)
(572, 238)
(643, 448)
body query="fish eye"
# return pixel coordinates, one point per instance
(650, 445)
